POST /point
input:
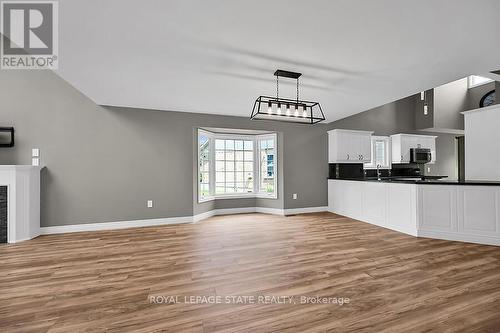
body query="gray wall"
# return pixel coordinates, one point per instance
(475, 94)
(103, 163)
(497, 89)
(399, 117)
(449, 100)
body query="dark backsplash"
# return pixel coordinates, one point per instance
(345, 170)
(356, 170)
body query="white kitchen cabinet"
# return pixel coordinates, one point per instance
(438, 208)
(452, 212)
(346, 146)
(402, 143)
(386, 205)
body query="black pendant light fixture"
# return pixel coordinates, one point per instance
(284, 109)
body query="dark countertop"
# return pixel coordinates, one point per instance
(417, 181)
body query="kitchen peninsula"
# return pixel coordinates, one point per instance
(463, 211)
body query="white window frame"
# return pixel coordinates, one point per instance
(211, 140)
(471, 84)
(259, 194)
(388, 149)
(255, 138)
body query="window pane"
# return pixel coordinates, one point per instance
(238, 156)
(219, 177)
(248, 145)
(239, 176)
(380, 153)
(267, 166)
(230, 166)
(219, 155)
(229, 176)
(219, 144)
(229, 155)
(229, 144)
(239, 166)
(204, 165)
(248, 166)
(219, 189)
(238, 144)
(219, 166)
(205, 177)
(248, 156)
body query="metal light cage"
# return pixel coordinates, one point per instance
(289, 110)
(314, 113)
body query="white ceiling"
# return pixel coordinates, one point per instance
(217, 56)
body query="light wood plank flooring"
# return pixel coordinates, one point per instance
(102, 281)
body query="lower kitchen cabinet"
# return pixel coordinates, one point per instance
(387, 205)
(452, 212)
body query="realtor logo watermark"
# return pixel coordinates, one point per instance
(29, 34)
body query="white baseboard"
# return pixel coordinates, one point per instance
(114, 225)
(460, 237)
(266, 210)
(174, 220)
(305, 210)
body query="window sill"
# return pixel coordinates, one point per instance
(237, 196)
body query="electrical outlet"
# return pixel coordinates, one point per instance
(294, 196)
(35, 152)
(35, 161)
(150, 203)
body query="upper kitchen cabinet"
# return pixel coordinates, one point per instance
(346, 146)
(402, 143)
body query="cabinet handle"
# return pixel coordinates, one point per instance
(347, 156)
(362, 157)
(401, 158)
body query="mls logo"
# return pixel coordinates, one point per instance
(29, 34)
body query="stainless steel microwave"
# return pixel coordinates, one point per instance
(420, 155)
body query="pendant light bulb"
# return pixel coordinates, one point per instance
(278, 111)
(269, 108)
(304, 114)
(288, 112)
(426, 110)
(288, 109)
(296, 113)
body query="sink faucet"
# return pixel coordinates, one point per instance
(378, 172)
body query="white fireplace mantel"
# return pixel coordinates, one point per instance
(23, 201)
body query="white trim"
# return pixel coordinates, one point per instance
(471, 84)
(305, 210)
(174, 220)
(203, 216)
(114, 225)
(487, 108)
(274, 211)
(457, 237)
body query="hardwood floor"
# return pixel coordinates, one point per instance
(103, 281)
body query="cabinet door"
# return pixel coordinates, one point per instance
(335, 195)
(366, 148)
(407, 142)
(352, 197)
(344, 147)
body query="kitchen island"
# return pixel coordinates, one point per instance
(466, 211)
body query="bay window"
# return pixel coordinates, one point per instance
(236, 165)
